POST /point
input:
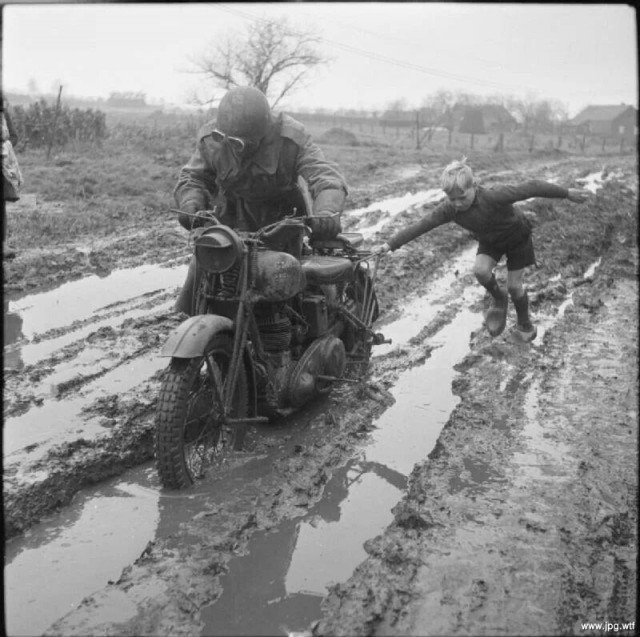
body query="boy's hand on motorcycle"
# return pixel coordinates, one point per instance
(531, 217)
(381, 249)
(577, 195)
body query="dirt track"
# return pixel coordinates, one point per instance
(515, 523)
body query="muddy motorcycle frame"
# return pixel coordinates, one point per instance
(278, 320)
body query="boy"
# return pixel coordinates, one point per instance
(489, 214)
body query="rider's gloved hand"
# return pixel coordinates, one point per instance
(186, 218)
(195, 217)
(205, 218)
(324, 225)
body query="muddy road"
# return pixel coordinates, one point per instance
(465, 485)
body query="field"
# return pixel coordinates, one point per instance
(465, 485)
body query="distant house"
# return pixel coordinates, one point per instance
(619, 121)
(492, 118)
(127, 100)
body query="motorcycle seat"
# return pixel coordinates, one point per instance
(321, 270)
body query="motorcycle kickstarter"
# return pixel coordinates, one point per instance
(279, 319)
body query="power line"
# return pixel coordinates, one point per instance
(400, 63)
(386, 36)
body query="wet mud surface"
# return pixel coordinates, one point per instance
(464, 485)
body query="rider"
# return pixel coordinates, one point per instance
(247, 165)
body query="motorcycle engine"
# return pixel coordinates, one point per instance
(274, 327)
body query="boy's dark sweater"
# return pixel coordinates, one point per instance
(491, 217)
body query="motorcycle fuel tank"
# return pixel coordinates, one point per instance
(277, 276)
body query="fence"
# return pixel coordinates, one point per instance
(407, 134)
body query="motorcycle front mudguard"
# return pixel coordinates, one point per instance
(190, 339)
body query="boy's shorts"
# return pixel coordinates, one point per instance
(518, 257)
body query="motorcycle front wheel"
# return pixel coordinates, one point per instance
(190, 430)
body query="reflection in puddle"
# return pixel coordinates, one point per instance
(278, 586)
(57, 563)
(324, 552)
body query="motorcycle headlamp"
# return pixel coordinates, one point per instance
(218, 249)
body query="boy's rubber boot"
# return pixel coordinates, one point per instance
(526, 330)
(496, 318)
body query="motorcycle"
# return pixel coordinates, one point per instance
(280, 318)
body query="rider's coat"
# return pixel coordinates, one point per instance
(259, 190)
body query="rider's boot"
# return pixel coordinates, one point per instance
(496, 318)
(525, 328)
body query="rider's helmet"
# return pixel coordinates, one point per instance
(244, 112)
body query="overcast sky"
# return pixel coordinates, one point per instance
(380, 52)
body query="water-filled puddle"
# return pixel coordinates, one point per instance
(389, 208)
(54, 419)
(50, 569)
(417, 313)
(91, 299)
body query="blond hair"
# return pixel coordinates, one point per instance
(457, 176)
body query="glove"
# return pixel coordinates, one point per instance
(324, 225)
(186, 220)
(203, 218)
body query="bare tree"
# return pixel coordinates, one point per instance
(272, 56)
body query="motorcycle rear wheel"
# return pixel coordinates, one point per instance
(190, 434)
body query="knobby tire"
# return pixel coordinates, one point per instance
(188, 423)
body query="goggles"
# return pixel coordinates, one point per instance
(236, 143)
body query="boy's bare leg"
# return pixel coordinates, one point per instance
(515, 286)
(496, 317)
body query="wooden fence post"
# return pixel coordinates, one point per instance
(604, 141)
(55, 122)
(417, 130)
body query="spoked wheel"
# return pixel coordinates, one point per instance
(190, 429)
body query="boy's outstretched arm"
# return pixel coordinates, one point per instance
(534, 188)
(442, 213)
